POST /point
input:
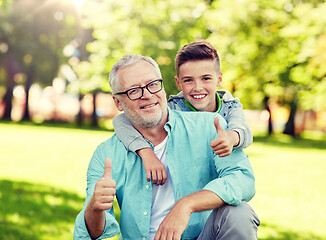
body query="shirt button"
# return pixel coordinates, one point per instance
(147, 186)
(145, 213)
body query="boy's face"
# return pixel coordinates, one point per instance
(198, 81)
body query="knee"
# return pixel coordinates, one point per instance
(242, 213)
(241, 220)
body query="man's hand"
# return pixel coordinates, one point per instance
(223, 145)
(101, 200)
(155, 170)
(174, 224)
(104, 191)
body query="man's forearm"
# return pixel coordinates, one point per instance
(201, 201)
(95, 221)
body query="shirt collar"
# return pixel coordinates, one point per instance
(169, 126)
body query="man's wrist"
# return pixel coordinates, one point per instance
(186, 204)
(94, 220)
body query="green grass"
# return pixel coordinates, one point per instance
(43, 180)
(291, 187)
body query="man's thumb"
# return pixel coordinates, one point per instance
(218, 127)
(108, 168)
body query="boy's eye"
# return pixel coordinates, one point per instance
(187, 80)
(206, 78)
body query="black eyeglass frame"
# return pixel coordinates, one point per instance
(160, 80)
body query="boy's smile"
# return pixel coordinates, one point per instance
(198, 81)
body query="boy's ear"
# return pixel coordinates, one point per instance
(178, 83)
(219, 79)
(117, 103)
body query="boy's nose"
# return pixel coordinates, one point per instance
(198, 85)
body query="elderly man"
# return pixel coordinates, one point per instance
(198, 180)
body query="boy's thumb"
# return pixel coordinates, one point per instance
(218, 127)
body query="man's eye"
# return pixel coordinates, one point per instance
(133, 91)
(154, 84)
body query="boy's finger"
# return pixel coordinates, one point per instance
(164, 176)
(220, 131)
(154, 177)
(148, 176)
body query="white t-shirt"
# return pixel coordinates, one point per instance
(163, 197)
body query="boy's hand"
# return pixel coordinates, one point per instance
(223, 145)
(155, 170)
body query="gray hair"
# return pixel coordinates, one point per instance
(125, 61)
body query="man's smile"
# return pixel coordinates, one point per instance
(148, 106)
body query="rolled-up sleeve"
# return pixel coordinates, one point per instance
(236, 181)
(94, 173)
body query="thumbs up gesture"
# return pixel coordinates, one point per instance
(104, 191)
(223, 144)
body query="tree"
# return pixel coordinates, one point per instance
(34, 33)
(266, 46)
(130, 26)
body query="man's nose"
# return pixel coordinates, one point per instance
(146, 93)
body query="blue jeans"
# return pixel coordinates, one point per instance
(231, 223)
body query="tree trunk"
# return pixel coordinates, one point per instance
(8, 103)
(12, 68)
(28, 84)
(290, 125)
(270, 124)
(94, 115)
(80, 113)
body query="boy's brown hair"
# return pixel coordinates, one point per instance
(200, 50)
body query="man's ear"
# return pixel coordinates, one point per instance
(219, 79)
(117, 103)
(178, 83)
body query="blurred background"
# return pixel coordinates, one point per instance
(55, 57)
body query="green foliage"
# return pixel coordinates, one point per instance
(33, 34)
(265, 46)
(152, 28)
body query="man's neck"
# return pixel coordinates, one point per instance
(155, 134)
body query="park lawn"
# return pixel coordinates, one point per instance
(43, 180)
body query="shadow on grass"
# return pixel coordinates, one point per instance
(289, 142)
(31, 211)
(274, 232)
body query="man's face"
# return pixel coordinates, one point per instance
(198, 81)
(149, 110)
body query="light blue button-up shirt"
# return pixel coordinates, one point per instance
(193, 167)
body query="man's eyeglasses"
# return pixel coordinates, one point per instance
(137, 92)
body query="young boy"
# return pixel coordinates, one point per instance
(198, 74)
